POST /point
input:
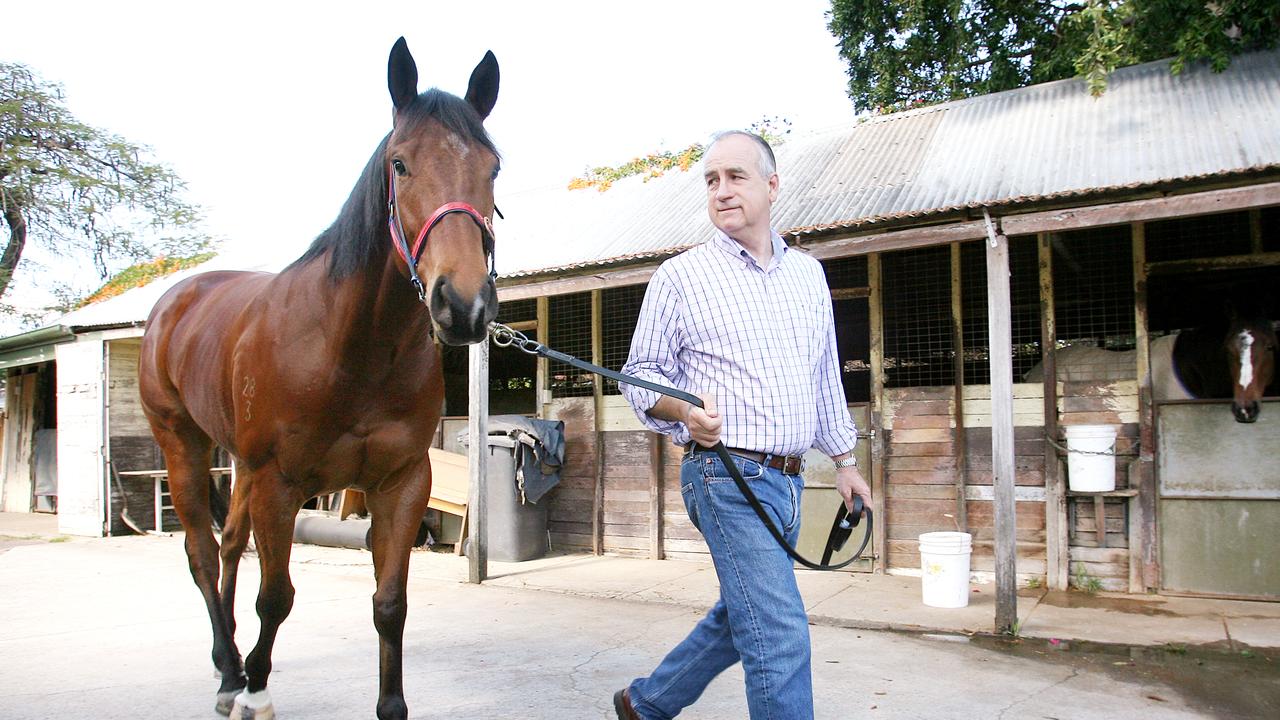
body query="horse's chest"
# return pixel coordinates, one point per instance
(361, 455)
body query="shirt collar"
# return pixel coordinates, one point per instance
(734, 248)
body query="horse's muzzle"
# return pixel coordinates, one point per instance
(462, 321)
(1246, 413)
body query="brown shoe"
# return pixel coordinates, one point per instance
(622, 706)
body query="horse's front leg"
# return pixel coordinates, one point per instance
(397, 513)
(272, 509)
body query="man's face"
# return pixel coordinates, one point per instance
(738, 195)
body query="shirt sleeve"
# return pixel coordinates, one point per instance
(836, 431)
(655, 348)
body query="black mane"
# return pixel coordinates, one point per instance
(359, 235)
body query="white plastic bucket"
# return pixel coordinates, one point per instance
(1091, 459)
(944, 568)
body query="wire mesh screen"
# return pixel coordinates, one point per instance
(569, 331)
(1093, 296)
(853, 324)
(514, 311)
(846, 272)
(621, 310)
(512, 373)
(1198, 237)
(1205, 298)
(917, 317)
(1024, 311)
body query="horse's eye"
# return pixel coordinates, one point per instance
(399, 167)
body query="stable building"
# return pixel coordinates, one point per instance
(1042, 214)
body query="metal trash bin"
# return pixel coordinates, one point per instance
(517, 530)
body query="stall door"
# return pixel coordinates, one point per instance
(820, 501)
(1219, 501)
(81, 509)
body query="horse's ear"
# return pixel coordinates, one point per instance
(402, 76)
(482, 91)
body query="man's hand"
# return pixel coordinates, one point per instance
(704, 423)
(849, 482)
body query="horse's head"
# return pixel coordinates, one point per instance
(1251, 350)
(441, 165)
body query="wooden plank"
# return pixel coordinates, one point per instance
(535, 287)
(655, 495)
(542, 381)
(1185, 205)
(1145, 506)
(919, 449)
(597, 399)
(1104, 388)
(926, 435)
(1000, 342)
(1228, 262)
(875, 309)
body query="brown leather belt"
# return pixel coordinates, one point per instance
(788, 464)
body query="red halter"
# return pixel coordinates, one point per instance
(411, 256)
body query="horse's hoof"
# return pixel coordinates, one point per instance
(225, 701)
(252, 706)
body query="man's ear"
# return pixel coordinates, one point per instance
(773, 187)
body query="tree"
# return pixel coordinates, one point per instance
(80, 190)
(904, 53)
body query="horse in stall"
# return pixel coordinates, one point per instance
(325, 376)
(1235, 362)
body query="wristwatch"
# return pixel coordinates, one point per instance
(851, 461)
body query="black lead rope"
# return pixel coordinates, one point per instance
(841, 528)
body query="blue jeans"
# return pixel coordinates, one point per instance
(760, 617)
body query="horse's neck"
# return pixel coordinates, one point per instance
(370, 317)
(1165, 384)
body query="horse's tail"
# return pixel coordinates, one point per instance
(219, 504)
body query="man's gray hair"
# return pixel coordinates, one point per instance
(768, 166)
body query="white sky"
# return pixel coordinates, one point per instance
(269, 110)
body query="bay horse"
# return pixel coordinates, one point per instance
(325, 376)
(1235, 361)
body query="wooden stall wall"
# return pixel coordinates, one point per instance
(131, 446)
(1101, 551)
(922, 467)
(624, 499)
(570, 514)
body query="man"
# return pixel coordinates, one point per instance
(745, 323)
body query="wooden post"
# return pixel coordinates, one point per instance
(1255, 231)
(477, 460)
(1145, 475)
(1000, 330)
(876, 311)
(1057, 543)
(960, 446)
(656, 442)
(542, 384)
(597, 392)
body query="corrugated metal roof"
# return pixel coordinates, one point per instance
(1042, 142)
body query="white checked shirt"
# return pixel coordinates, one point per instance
(761, 341)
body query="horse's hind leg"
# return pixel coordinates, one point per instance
(272, 507)
(235, 535)
(397, 514)
(187, 454)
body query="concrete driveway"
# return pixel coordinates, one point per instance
(114, 628)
